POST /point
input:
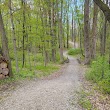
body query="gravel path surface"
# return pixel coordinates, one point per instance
(54, 94)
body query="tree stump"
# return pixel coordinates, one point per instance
(3, 65)
(4, 71)
(2, 76)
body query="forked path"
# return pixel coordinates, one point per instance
(55, 94)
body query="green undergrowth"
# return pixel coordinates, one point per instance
(25, 73)
(32, 69)
(45, 71)
(99, 73)
(74, 51)
(84, 101)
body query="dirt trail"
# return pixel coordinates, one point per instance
(55, 94)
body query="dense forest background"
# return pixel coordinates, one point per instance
(34, 34)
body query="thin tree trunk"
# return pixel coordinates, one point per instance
(74, 34)
(24, 31)
(58, 28)
(28, 51)
(105, 32)
(67, 24)
(61, 34)
(109, 56)
(72, 26)
(94, 31)
(14, 38)
(67, 32)
(53, 32)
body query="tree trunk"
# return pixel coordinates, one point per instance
(61, 33)
(14, 38)
(24, 32)
(86, 32)
(67, 24)
(104, 8)
(5, 49)
(74, 34)
(94, 32)
(53, 32)
(72, 27)
(67, 32)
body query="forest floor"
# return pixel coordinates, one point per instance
(66, 89)
(55, 92)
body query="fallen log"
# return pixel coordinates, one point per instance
(2, 59)
(3, 65)
(2, 76)
(0, 70)
(5, 71)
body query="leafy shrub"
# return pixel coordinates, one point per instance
(105, 85)
(74, 51)
(95, 74)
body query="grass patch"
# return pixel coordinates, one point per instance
(45, 71)
(33, 69)
(74, 52)
(84, 101)
(36, 72)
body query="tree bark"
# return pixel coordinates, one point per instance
(5, 49)
(86, 32)
(14, 38)
(104, 8)
(74, 34)
(67, 42)
(94, 31)
(72, 26)
(53, 31)
(61, 33)
(67, 32)
(24, 31)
